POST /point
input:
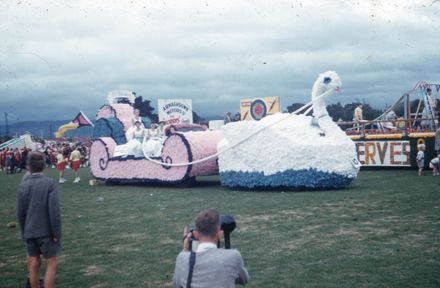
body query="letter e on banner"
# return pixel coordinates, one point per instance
(360, 152)
(394, 152)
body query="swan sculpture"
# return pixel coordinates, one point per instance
(292, 151)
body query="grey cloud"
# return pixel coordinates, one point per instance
(69, 56)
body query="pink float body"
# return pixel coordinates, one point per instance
(177, 148)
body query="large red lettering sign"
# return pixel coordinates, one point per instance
(384, 153)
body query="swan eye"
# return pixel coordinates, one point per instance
(327, 80)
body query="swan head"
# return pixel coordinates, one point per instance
(327, 82)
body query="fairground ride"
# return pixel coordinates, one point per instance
(391, 140)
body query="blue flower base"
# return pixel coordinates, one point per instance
(290, 179)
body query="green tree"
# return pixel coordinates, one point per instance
(145, 108)
(294, 106)
(336, 111)
(197, 119)
(370, 113)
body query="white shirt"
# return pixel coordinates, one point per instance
(357, 114)
(138, 133)
(202, 247)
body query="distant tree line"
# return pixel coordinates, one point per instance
(4, 138)
(345, 112)
(336, 111)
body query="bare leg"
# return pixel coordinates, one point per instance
(51, 271)
(34, 268)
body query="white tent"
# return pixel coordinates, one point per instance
(20, 142)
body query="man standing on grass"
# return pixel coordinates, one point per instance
(38, 212)
(208, 266)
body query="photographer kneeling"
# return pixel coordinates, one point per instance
(208, 266)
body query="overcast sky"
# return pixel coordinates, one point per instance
(58, 57)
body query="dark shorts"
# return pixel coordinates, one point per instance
(43, 246)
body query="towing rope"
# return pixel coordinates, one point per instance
(308, 105)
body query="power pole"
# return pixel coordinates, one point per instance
(6, 124)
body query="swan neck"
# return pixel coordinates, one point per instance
(319, 106)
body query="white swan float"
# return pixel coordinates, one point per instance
(294, 151)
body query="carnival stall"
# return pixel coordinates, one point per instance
(390, 140)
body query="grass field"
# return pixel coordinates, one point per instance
(382, 231)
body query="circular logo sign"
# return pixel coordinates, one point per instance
(258, 109)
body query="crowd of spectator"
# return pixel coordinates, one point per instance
(13, 160)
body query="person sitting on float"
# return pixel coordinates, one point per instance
(135, 137)
(154, 130)
(152, 146)
(138, 131)
(137, 117)
(171, 130)
(205, 126)
(162, 128)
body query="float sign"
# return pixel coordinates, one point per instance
(258, 108)
(384, 153)
(175, 111)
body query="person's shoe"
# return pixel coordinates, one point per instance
(77, 179)
(61, 181)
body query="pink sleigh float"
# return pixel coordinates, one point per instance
(177, 148)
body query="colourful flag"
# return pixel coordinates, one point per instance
(82, 120)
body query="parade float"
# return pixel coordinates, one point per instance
(290, 150)
(282, 150)
(114, 120)
(390, 141)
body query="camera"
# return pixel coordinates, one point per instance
(227, 225)
(194, 241)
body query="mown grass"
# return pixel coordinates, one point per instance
(382, 231)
